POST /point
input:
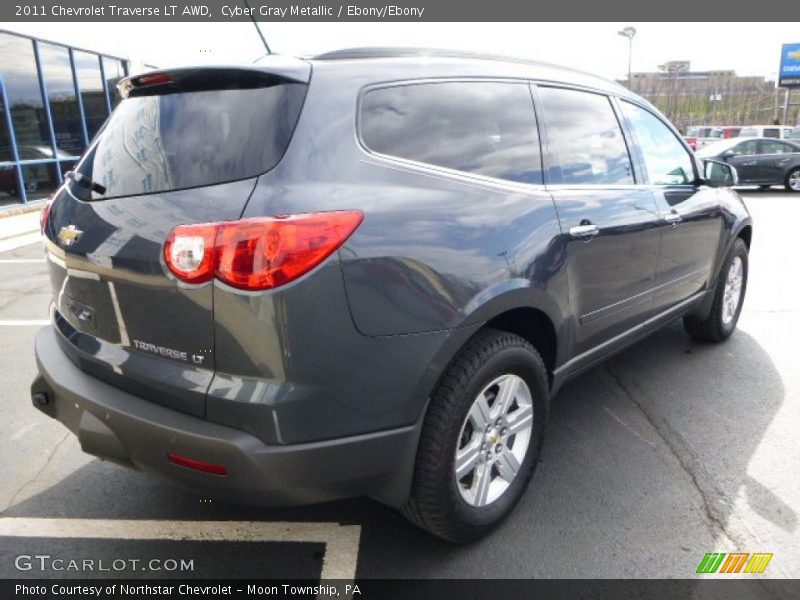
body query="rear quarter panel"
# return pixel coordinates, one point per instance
(435, 246)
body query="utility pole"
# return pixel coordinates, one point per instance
(785, 118)
(777, 94)
(629, 32)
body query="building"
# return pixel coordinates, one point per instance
(719, 97)
(53, 99)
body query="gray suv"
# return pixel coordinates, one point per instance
(367, 273)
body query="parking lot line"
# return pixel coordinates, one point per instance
(341, 541)
(19, 241)
(24, 322)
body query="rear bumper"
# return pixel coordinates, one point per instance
(123, 428)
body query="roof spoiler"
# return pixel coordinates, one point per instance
(267, 71)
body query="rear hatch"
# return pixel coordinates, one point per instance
(185, 146)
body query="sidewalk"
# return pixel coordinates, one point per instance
(19, 230)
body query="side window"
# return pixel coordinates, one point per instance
(776, 148)
(746, 148)
(584, 135)
(485, 128)
(666, 160)
(772, 132)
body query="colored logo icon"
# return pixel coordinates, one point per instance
(734, 562)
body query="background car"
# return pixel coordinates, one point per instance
(730, 132)
(759, 161)
(700, 135)
(779, 132)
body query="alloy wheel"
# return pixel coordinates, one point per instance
(494, 440)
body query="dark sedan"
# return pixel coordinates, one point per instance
(759, 161)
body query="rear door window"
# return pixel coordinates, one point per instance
(776, 148)
(157, 143)
(482, 128)
(585, 137)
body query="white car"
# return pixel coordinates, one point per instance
(778, 132)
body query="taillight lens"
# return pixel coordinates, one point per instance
(45, 215)
(189, 252)
(260, 253)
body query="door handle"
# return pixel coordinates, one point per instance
(673, 218)
(751, 163)
(584, 231)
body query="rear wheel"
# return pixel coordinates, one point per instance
(481, 438)
(728, 299)
(793, 181)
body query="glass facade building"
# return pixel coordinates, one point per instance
(53, 100)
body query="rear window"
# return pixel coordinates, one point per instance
(182, 140)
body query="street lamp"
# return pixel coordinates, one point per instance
(629, 32)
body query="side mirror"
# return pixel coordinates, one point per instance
(719, 174)
(728, 154)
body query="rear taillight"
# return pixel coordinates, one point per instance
(45, 215)
(259, 253)
(189, 252)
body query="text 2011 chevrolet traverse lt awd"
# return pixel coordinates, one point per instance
(368, 273)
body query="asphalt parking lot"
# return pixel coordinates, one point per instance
(671, 450)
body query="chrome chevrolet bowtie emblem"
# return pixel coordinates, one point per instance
(69, 235)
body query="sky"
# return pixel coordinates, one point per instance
(747, 48)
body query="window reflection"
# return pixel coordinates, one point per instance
(583, 132)
(6, 153)
(483, 128)
(666, 160)
(23, 99)
(176, 141)
(113, 70)
(40, 180)
(57, 73)
(23, 94)
(9, 185)
(93, 95)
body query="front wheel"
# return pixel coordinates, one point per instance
(728, 299)
(481, 438)
(793, 181)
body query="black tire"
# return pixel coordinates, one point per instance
(436, 504)
(714, 328)
(790, 174)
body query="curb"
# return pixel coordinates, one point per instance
(21, 210)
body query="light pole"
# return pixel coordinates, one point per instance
(629, 32)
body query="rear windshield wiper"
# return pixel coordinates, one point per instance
(85, 182)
